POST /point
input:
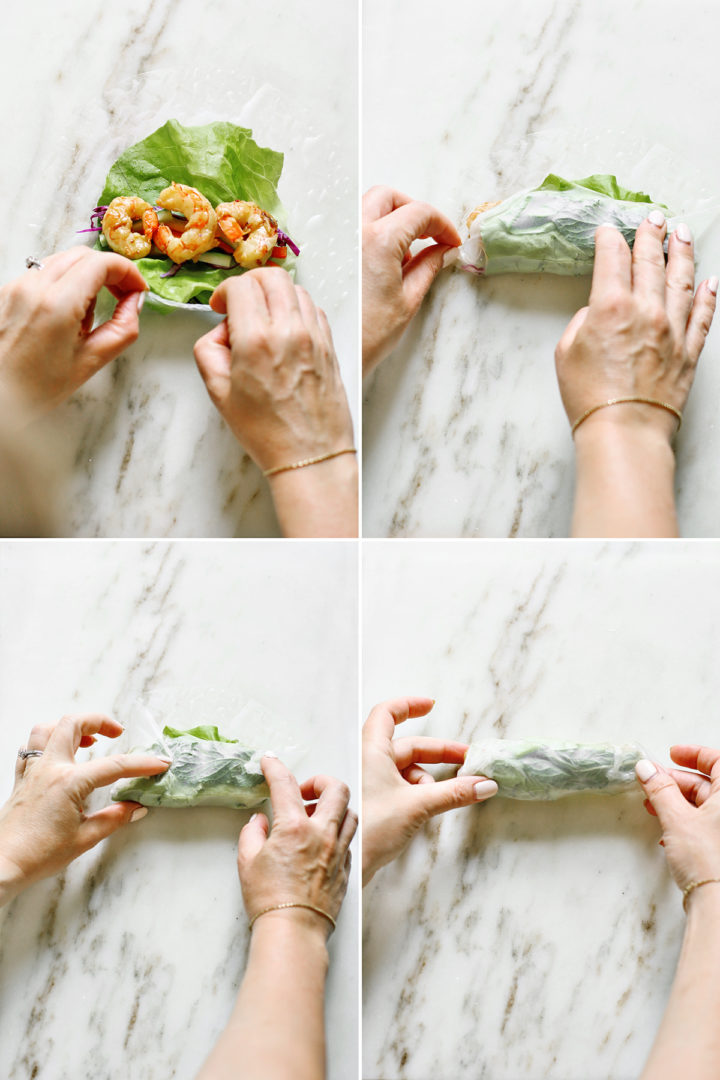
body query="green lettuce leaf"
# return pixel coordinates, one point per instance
(223, 162)
(204, 731)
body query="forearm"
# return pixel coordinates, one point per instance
(277, 1027)
(688, 1042)
(319, 500)
(11, 880)
(624, 483)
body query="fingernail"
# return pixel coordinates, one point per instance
(683, 233)
(426, 780)
(139, 813)
(269, 753)
(141, 301)
(644, 769)
(166, 759)
(713, 285)
(656, 217)
(252, 818)
(485, 789)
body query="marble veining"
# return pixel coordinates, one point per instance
(527, 940)
(143, 450)
(129, 962)
(464, 431)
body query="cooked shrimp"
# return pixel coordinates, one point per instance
(117, 226)
(251, 231)
(199, 234)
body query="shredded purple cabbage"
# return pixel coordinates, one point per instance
(171, 273)
(285, 241)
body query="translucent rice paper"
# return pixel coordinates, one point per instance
(545, 769)
(555, 230)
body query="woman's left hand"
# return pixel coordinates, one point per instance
(43, 825)
(47, 345)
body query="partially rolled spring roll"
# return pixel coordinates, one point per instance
(551, 229)
(549, 768)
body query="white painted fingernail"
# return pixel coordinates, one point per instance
(139, 813)
(252, 818)
(269, 753)
(683, 233)
(485, 789)
(656, 217)
(644, 769)
(713, 285)
(141, 301)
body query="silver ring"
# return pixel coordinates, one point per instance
(23, 752)
(34, 264)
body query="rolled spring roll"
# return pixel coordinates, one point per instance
(550, 768)
(551, 228)
(206, 770)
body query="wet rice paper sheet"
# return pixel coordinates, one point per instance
(550, 769)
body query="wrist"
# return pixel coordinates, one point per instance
(318, 500)
(703, 903)
(294, 928)
(12, 880)
(630, 422)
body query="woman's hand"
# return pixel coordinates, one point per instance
(394, 282)
(399, 796)
(687, 805)
(641, 336)
(47, 345)
(306, 857)
(270, 369)
(43, 825)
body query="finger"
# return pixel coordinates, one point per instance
(108, 770)
(280, 292)
(702, 759)
(333, 797)
(696, 788)
(383, 718)
(417, 220)
(325, 331)
(570, 332)
(411, 749)
(648, 259)
(612, 269)
(380, 200)
(108, 341)
(347, 831)
(88, 318)
(252, 837)
(701, 317)
(86, 277)
(66, 735)
(214, 361)
(285, 794)
(680, 279)
(39, 736)
(663, 792)
(307, 309)
(55, 266)
(241, 296)
(415, 774)
(420, 272)
(87, 740)
(104, 823)
(446, 795)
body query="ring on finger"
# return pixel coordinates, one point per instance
(34, 264)
(24, 753)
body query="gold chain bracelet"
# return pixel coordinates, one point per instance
(309, 461)
(281, 907)
(696, 885)
(624, 400)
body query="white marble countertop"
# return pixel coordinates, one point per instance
(464, 431)
(527, 940)
(146, 453)
(128, 964)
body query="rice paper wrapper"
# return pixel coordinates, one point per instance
(550, 769)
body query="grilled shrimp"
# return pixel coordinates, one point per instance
(117, 226)
(251, 231)
(199, 234)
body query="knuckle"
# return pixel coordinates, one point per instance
(658, 320)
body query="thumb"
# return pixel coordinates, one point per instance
(110, 339)
(448, 794)
(662, 791)
(213, 358)
(104, 823)
(252, 837)
(420, 272)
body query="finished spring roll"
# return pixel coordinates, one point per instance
(551, 228)
(551, 768)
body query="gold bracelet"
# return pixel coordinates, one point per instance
(309, 461)
(696, 885)
(622, 401)
(281, 907)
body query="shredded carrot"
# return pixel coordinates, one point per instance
(279, 253)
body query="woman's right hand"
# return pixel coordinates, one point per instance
(306, 857)
(687, 805)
